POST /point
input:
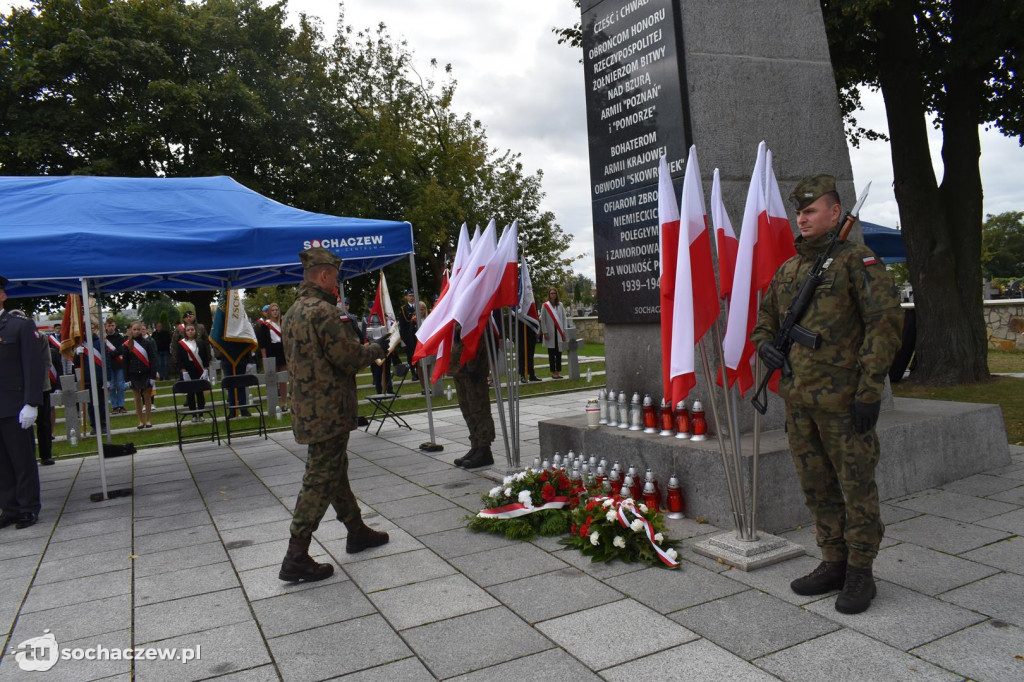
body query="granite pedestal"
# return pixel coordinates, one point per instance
(924, 444)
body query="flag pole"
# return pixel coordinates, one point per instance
(492, 359)
(734, 433)
(737, 518)
(86, 357)
(431, 445)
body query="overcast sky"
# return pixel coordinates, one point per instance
(528, 92)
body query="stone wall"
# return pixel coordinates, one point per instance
(589, 329)
(1005, 324)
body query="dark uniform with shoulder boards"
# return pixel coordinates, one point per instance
(21, 396)
(834, 392)
(323, 354)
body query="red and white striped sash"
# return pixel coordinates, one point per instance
(192, 356)
(139, 351)
(275, 332)
(554, 318)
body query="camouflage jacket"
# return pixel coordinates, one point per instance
(323, 354)
(857, 312)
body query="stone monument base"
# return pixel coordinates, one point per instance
(925, 443)
(748, 555)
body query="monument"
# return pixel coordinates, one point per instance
(664, 74)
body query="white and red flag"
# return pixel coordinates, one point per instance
(382, 307)
(668, 246)
(766, 242)
(696, 296)
(726, 241)
(526, 308)
(495, 285)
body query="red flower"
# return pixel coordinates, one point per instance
(585, 530)
(548, 493)
(543, 475)
(590, 505)
(572, 528)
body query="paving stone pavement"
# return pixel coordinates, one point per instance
(191, 559)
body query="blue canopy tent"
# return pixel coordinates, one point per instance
(146, 234)
(73, 234)
(886, 242)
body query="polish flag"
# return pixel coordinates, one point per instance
(438, 331)
(462, 250)
(774, 235)
(738, 351)
(495, 286)
(382, 307)
(526, 308)
(725, 238)
(436, 319)
(668, 246)
(696, 296)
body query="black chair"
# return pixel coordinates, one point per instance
(192, 390)
(241, 383)
(383, 403)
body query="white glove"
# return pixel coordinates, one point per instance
(152, 384)
(205, 375)
(27, 416)
(79, 350)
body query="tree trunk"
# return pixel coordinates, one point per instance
(941, 226)
(202, 301)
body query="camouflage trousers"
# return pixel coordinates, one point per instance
(836, 468)
(325, 483)
(475, 399)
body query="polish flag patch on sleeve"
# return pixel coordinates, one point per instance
(870, 260)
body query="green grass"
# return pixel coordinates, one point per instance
(1007, 392)
(1000, 361)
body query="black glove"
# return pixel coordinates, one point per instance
(865, 415)
(772, 356)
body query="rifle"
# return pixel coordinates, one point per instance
(791, 331)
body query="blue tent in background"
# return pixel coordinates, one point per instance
(146, 234)
(886, 242)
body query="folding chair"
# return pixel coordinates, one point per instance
(384, 402)
(181, 412)
(241, 383)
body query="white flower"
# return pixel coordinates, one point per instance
(507, 480)
(672, 554)
(611, 516)
(637, 525)
(608, 503)
(643, 508)
(619, 542)
(508, 492)
(659, 538)
(525, 499)
(520, 476)
(495, 491)
(595, 538)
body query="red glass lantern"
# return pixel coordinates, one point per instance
(637, 489)
(699, 422)
(650, 421)
(675, 499)
(615, 482)
(651, 496)
(682, 420)
(668, 424)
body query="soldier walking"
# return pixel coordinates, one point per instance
(323, 355)
(834, 393)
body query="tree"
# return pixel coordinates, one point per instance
(179, 88)
(958, 61)
(1002, 239)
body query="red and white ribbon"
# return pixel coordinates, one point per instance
(511, 511)
(630, 506)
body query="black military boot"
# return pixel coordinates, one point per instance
(858, 591)
(361, 536)
(298, 565)
(469, 455)
(828, 576)
(481, 458)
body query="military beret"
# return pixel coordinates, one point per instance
(408, 292)
(266, 307)
(810, 189)
(3, 282)
(318, 255)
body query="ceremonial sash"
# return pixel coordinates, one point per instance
(275, 333)
(95, 357)
(195, 360)
(138, 351)
(53, 374)
(112, 350)
(54, 341)
(554, 318)
(111, 347)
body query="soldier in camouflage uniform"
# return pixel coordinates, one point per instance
(475, 402)
(323, 354)
(834, 393)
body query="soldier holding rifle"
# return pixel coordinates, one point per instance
(847, 327)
